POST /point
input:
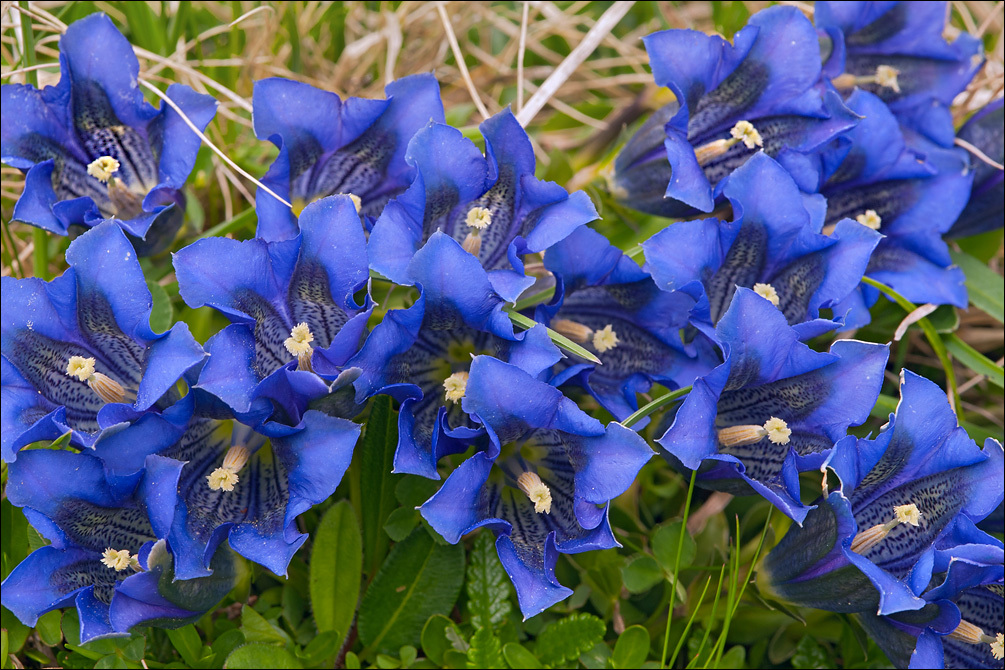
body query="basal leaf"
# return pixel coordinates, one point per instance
(376, 462)
(336, 569)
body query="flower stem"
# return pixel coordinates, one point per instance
(651, 407)
(676, 564)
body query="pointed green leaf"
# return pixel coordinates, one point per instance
(261, 656)
(488, 586)
(187, 643)
(336, 569)
(565, 639)
(419, 578)
(984, 285)
(161, 312)
(975, 360)
(376, 462)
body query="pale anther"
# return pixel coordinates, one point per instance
(478, 218)
(107, 388)
(870, 537)
(536, 490)
(222, 479)
(777, 431)
(357, 202)
(870, 219)
(886, 77)
(80, 367)
(117, 560)
(103, 168)
(908, 513)
(605, 339)
(455, 386)
(299, 344)
(969, 633)
(236, 458)
(998, 647)
(768, 292)
(745, 132)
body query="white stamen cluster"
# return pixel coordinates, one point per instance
(536, 490)
(745, 132)
(107, 388)
(998, 647)
(119, 559)
(870, 219)
(455, 386)
(299, 345)
(103, 168)
(605, 339)
(224, 478)
(574, 330)
(886, 77)
(776, 430)
(768, 292)
(479, 218)
(971, 634)
(870, 537)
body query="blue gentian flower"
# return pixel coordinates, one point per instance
(961, 624)
(556, 470)
(607, 303)
(986, 208)
(735, 99)
(870, 545)
(105, 555)
(896, 50)
(78, 352)
(910, 189)
(328, 146)
(93, 149)
(773, 245)
(773, 408)
(241, 484)
(420, 355)
(291, 302)
(490, 203)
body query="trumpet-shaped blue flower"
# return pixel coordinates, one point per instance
(772, 245)
(78, 352)
(420, 355)
(911, 190)
(105, 557)
(292, 306)
(93, 149)
(328, 146)
(607, 303)
(236, 483)
(896, 50)
(773, 408)
(556, 470)
(870, 545)
(735, 99)
(490, 203)
(986, 208)
(960, 625)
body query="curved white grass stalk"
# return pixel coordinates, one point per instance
(597, 33)
(978, 153)
(459, 57)
(209, 143)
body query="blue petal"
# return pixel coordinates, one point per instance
(458, 507)
(50, 578)
(180, 145)
(984, 209)
(536, 589)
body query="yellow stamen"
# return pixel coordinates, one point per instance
(998, 647)
(80, 367)
(299, 345)
(574, 330)
(107, 388)
(455, 386)
(605, 339)
(775, 429)
(870, 537)
(103, 168)
(117, 560)
(222, 479)
(478, 218)
(886, 76)
(870, 219)
(743, 131)
(747, 133)
(768, 292)
(536, 490)
(357, 202)
(472, 243)
(236, 458)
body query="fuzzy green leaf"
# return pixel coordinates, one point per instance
(565, 639)
(488, 586)
(336, 567)
(419, 578)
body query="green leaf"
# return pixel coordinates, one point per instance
(632, 648)
(434, 637)
(517, 657)
(665, 542)
(419, 578)
(187, 642)
(485, 650)
(735, 657)
(261, 656)
(565, 639)
(809, 654)
(336, 569)
(488, 586)
(376, 463)
(560, 340)
(975, 360)
(257, 629)
(984, 285)
(49, 628)
(351, 661)
(401, 522)
(641, 574)
(161, 312)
